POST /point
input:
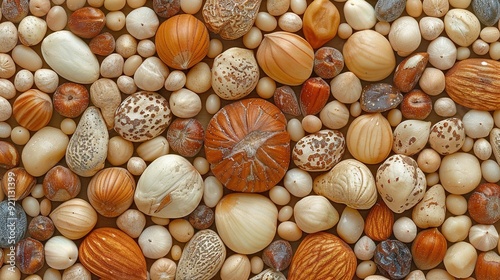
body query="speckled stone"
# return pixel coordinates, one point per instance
(278, 255)
(13, 223)
(166, 8)
(389, 10)
(202, 217)
(393, 259)
(380, 97)
(487, 11)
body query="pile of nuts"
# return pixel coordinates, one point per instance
(222, 139)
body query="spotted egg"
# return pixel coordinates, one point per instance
(447, 136)
(319, 151)
(400, 182)
(142, 116)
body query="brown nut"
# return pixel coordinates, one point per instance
(17, 183)
(29, 255)
(41, 228)
(379, 221)
(286, 99)
(328, 62)
(484, 204)
(9, 156)
(313, 96)
(61, 184)
(487, 266)
(416, 105)
(87, 22)
(428, 249)
(71, 99)
(103, 44)
(185, 136)
(409, 71)
(32, 109)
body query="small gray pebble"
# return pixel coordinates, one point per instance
(13, 223)
(487, 11)
(389, 10)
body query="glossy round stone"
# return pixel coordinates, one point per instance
(393, 259)
(278, 255)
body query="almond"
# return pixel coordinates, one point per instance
(474, 83)
(379, 221)
(322, 255)
(110, 253)
(313, 96)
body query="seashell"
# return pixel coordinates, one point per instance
(88, 146)
(111, 191)
(70, 57)
(74, 218)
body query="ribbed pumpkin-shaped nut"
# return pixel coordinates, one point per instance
(9, 155)
(111, 191)
(428, 249)
(379, 221)
(32, 109)
(17, 179)
(110, 253)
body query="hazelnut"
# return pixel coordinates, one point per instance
(29, 255)
(9, 156)
(484, 204)
(185, 136)
(87, 22)
(102, 44)
(19, 181)
(71, 99)
(487, 265)
(41, 228)
(428, 249)
(416, 105)
(328, 62)
(61, 184)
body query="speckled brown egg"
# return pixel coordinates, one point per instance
(142, 116)
(447, 136)
(247, 145)
(319, 151)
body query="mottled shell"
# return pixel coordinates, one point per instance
(230, 19)
(322, 255)
(350, 182)
(410, 137)
(110, 253)
(400, 183)
(88, 147)
(202, 257)
(319, 151)
(142, 116)
(247, 145)
(170, 187)
(369, 138)
(111, 191)
(447, 136)
(74, 218)
(235, 73)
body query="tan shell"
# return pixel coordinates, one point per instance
(74, 218)
(319, 151)
(410, 137)
(495, 143)
(88, 147)
(369, 138)
(350, 182)
(447, 136)
(202, 257)
(230, 19)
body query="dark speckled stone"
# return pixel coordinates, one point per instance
(13, 223)
(487, 11)
(393, 259)
(389, 10)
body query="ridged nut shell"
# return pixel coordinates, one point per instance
(428, 249)
(369, 138)
(322, 255)
(111, 254)
(379, 221)
(32, 109)
(111, 191)
(21, 180)
(9, 155)
(286, 57)
(202, 257)
(474, 83)
(74, 218)
(182, 41)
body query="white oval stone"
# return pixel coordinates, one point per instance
(44, 150)
(70, 57)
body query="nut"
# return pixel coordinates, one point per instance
(380, 97)
(472, 83)
(74, 218)
(286, 99)
(41, 228)
(87, 22)
(416, 105)
(103, 44)
(428, 248)
(484, 204)
(71, 99)
(409, 71)
(29, 255)
(61, 184)
(313, 96)
(379, 221)
(319, 151)
(9, 156)
(110, 253)
(32, 109)
(328, 62)
(17, 183)
(487, 265)
(331, 256)
(185, 136)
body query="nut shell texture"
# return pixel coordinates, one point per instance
(247, 145)
(32, 109)
(319, 151)
(142, 116)
(110, 254)
(322, 256)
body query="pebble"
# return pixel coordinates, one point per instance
(380, 97)
(393, 259)
(13, 223)
(487, 11)
(202, 217)
(278, 255)
(41, 228)
(389, 10)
